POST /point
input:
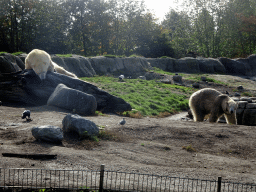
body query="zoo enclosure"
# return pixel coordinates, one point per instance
(103, 180)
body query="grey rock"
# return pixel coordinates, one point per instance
(235, 98)
(82, 126)
(187, 65)
(251, 106)
(142, 77)
(242, 104)
(237, 94)
(48, 133)
(73, 99)
(177, 78)
(248, 99)
(10, 63)
(235, 67)
(203, 78)
(239, 116)
(196, 85)
(210, 65)
(249, 117)
(240, 87)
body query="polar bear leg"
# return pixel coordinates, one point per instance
(231, 118)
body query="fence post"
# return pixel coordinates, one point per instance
(219, 184)
(102, 167)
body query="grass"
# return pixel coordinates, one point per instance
(147, 97)
(66, 55)
(197, 78)
(189, 148)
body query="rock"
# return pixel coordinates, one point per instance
(240, 87)
(235, 98)
(249, 117)
(142, 77)
(239, 116)
(187, 65)
(28, 88)
(237, 94)
(48, 133)
(252, 61)
(248, 99)
(166, 64)
(190, 115)
(203, 78)
(235, 67)
(72, 99)
(82, 126)
(10, 63)
(210, 65)
(242, 104)
(177, 78)
(196, 85)
(251, 106)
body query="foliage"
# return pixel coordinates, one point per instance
(213, 28)
(148, 98)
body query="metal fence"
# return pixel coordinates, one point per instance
(14, 178)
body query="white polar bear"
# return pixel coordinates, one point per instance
(41, 62)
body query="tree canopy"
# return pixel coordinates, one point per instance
(211, 28)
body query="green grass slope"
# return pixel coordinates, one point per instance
(149, 98)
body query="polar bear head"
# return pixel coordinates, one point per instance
(229, 106)
(39, 61)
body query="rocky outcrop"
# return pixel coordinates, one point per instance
(73, 100)
(26, 87)
(135, 67)
(189, 65)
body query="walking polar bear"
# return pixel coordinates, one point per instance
(41, 62)
(210, 102)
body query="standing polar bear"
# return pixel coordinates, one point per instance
(213, 103)
(41, 62)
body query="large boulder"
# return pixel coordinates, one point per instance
(103, 65)
(48, 133)
(135, 66)
(82, 126)
(235, 67)
(10, 63)
(187, 65)
(166, 64)
(80, 66)
(252, 64)
(249, 117)
(72, 99)
(210, 65)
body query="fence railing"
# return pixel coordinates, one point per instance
(104, 180)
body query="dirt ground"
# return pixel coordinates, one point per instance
(149, 145)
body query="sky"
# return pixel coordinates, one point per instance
(161, 7)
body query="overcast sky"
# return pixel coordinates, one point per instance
(161, 7)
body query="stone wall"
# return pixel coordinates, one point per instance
(246, 112)
(134, 67)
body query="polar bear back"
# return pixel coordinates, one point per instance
(204, 99)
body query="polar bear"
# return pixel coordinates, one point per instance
(210, 102)
(41, 62)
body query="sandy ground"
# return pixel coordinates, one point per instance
(148, 145)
